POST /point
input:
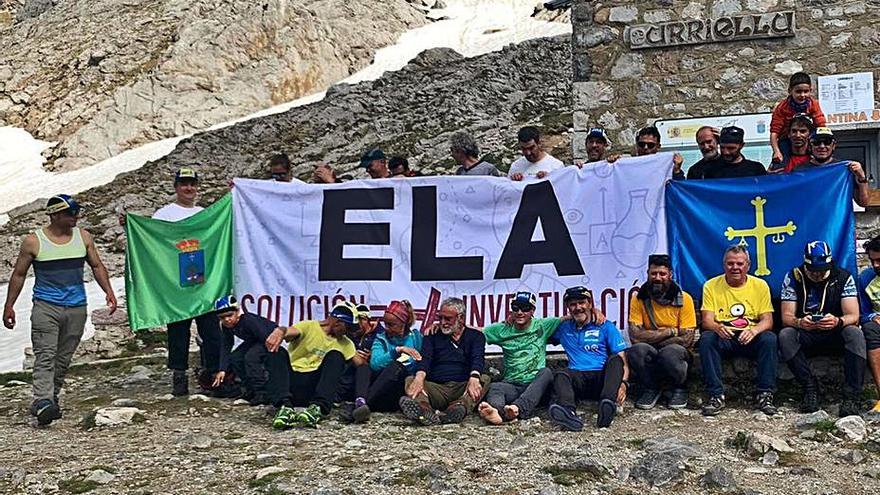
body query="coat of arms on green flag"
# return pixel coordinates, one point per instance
(175, 270)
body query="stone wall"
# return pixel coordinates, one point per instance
(623, 90)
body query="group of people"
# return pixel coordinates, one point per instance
(384, 364)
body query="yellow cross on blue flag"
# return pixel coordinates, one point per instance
(775, 216)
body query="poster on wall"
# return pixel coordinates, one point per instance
(848, 98)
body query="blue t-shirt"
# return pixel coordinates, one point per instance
(588, 347)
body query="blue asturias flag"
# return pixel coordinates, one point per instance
(774, 215)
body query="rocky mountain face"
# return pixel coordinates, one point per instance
(411, 112)
(103, 76)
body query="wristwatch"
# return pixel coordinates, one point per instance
(475, 374)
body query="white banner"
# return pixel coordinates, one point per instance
(302, 247)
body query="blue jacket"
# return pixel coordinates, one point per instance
(383, 352)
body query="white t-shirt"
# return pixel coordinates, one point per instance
(174, 212)
(529, 169)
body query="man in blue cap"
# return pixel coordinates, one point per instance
(597, 367)
(820, 314)
(597, 143)
(57, 253)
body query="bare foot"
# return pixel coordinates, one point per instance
(489, 414)
(511, 411)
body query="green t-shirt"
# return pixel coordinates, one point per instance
(525, 351)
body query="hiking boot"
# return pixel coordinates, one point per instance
(714, 406)
(565, 418)
(648, 398)
(679, 399)
(765, 403)
(283, 418)
(851, 406)
(309, 416)
(45, 411)
(810, 401)
(179, 383)
(227, 390)
(415, 411)
(258, 399)
(454, 414)
(360, 414)
(607, 410)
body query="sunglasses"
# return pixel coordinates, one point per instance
(520, 307)
(822, 142)
(646, 145)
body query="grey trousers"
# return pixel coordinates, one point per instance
(525, 396)
(650, 364)
(55, 335)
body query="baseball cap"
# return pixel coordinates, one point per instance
(598, 133)
(578, 292)
(732, 135)
(62, 202)
(344, 312)
(185, 173)
(226, 304)
(363, 311)
(817, 256)
(373, 154)
(523, 300)
(822, 132)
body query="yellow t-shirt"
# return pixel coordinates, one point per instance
(737, 307)
(665, 316)
(308, 350)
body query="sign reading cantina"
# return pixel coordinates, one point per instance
(728, 28)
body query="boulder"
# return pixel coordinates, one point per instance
(117, 416)
(853, 428)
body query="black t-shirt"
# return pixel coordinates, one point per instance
(720, 169)
(698, 170)
(253, 328)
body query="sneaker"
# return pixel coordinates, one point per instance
(45, 411)
(283, 418)
(413, 410)
(810, 401)
(179, 383)
(565, 418)
(679, 399)
(714, 406)
(309, 416)
(258, 399)
(648, 398)
(875, 409)
(850, 407)
(454, 414)
(361, 414)
(607, 409)
(765, 403)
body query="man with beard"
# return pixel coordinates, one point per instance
(707, 141)
(523, 340)
(309, 377)
(597, 144)
(662, 325)
(597, 367)
(648, 143)
(799, 132)
(731, 163)
(534, 162)
(820, 314)
(449, 376)
(822, 146)
(737, 320)
(869, 299)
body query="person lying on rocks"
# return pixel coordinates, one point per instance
(820, 314)
(597, 368)
(449, 377)
(393, 356)
(662, 327)
(523, 341)
(318, 352)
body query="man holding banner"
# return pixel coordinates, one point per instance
(737, 320)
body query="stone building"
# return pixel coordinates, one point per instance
(677, 63)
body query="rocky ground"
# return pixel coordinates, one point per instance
(121, 433)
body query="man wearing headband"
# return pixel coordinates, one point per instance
(820, 315)
(662, 325)
(318, 352)
(450, 375)
(57, 252)
(523, 340)
(596, 364)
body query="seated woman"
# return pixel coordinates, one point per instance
(392, 359)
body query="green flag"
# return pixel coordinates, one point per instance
(176, 270)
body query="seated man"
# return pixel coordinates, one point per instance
(737, 320)
(820, 314)
(662, 324)
(318, 352)
(869, 301)
(596, 364)
(526, 378)
(356, 380)
(450, 375)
